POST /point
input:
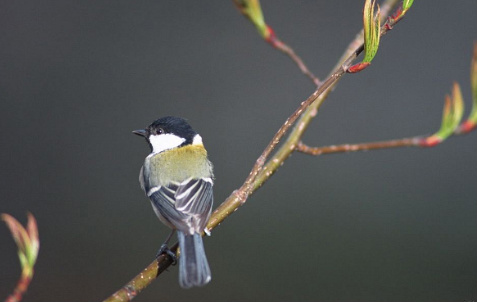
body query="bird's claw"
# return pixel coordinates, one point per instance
(165, 250)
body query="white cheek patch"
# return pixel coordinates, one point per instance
(164, 142)
(197, 140)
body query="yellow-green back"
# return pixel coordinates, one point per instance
(178, 165)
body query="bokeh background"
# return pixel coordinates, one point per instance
(77, 76)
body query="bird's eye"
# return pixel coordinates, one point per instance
(160, 131)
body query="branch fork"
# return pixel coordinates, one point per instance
(265, 167)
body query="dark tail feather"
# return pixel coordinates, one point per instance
(193, 266)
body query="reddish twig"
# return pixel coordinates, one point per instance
(405, 142)
(20, 289)
(280, 45)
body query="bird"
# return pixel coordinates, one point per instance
(177, 176)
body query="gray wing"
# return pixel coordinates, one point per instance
(186, 206)
(141, 179)
(194, 197)
(163, 203)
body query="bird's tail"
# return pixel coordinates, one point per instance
(193, 266)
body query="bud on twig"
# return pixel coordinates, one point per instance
(372, 34)
(451, 117)
(471, 122)
(253, 11)
(28, 244)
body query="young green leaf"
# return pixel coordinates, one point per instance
(451, 117)
(406, 5)
(473, 82)
(471, 122)
(253, 11)
(372, 30)
(27, 241)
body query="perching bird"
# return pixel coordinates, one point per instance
(178, 178)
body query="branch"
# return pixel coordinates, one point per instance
(307, 110)
(280, 45)
(450, 125)
(262, 169)
(252, 10)
(143, 279)
(405, 142)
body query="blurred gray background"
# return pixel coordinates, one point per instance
(77, 76)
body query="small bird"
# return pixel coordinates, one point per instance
(178, 178)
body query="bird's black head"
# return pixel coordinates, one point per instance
(167, 133)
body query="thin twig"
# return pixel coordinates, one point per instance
(20, 289)
(308, 109)
(353, 50)
(286, 49)
(280, 45)
(397, 143)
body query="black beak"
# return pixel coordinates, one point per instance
(141, 132)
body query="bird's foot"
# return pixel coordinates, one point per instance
(165, 250)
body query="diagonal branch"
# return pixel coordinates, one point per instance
(262, 169)
(307, 110)
(143, 279)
